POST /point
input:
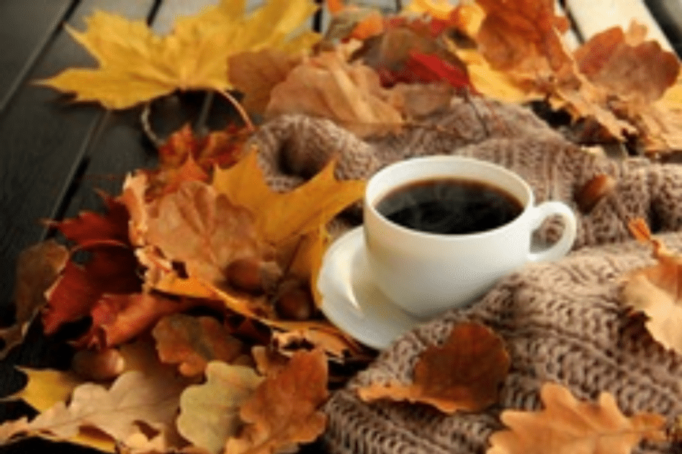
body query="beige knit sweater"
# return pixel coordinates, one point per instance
(561, 322)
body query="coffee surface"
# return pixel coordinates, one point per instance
(449, 206)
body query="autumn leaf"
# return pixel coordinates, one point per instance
(328, 86)
(110, 269)
(283, 411)
(136, 399)
(192, 342)
(255, 74)
(135, 65)
(119, 318)
(214, 231)
(45, 389)
(634, 70)
(439, 9)
(655, 290)
(463, 374)
(279, 217)
(209, 413)
(568, 425)
(37, 269)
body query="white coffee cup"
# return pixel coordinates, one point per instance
(426, 273)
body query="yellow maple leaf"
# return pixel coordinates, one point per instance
(279, 217)
(136, 65)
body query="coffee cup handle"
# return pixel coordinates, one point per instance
(561, 247)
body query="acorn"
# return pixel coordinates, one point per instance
(294, 301)
(98, 365)
(245, 274)
(593, 191)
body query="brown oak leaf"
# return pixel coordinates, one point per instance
(192, 342)
(463, 374)
(209, 413)
(567, 425)
(656, 290)
(284, 410)
(328, 86)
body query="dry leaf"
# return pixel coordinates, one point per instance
(627, 68)
(192, 342)
(37, 269)
(209, 413)
(328, 86)
(463, 374)
(214, 231)
(284, 409)
(150, 398)
(256, 73)
(567, 425)
(135, 65)
(656, 290)
(110, 269)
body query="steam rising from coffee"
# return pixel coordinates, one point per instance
(449, 206)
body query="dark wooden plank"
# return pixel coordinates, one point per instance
(25, 29)
(43, 139)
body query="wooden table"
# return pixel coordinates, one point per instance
(54, 154)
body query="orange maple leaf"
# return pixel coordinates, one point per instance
(464, 373)
(567, 425)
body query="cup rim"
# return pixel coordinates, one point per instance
(446, 237)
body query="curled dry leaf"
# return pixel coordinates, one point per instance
(328, 86)
(656, 290)
(463, 374)
(283, 411)
(136, 65)
(37, 269)
(119, 318)
(568, 425)
(192, 342)
(209, 413)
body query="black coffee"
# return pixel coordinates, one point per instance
(449, 205)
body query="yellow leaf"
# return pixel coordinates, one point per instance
(439, 9)
(279, 217)
(135, 65)
(567, 425)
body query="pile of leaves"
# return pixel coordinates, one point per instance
(190, 303)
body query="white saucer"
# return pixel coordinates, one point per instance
(351, 301)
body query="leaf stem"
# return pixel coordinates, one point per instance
(240, 109)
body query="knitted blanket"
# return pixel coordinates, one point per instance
(561, 322)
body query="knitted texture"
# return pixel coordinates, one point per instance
(561, 322)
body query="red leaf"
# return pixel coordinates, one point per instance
(92, 227)
(110, 269)
(427, 68)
